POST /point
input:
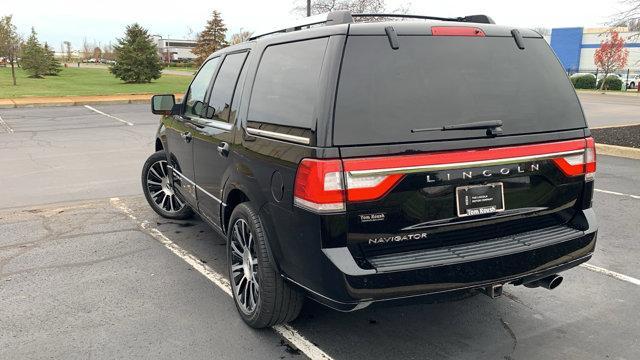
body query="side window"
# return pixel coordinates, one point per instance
(224, 86)
(195, 97)
(286, 85)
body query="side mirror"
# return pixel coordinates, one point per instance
(163, 104)
(198, 108)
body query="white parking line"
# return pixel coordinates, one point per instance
(618, 193)
(108, 115)
(286, 331)
(5, 126)
(610, 273)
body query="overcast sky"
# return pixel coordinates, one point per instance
(102, 21)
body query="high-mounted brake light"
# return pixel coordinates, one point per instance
(456, 31)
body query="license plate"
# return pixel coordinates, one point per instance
(480, 199)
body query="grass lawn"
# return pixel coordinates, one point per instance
(83, 81)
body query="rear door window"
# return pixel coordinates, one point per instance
(432, 81)
(286, 87)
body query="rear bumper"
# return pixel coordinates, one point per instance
(420, 274)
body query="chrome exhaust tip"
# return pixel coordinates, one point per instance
(550, 282)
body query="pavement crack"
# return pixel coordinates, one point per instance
(506, 326)
(74, 264)
(516, 299)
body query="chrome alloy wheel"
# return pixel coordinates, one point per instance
(160, 189)
(244, 267)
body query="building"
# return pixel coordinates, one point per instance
(576, 46)
(175, 49)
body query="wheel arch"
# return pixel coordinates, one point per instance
(237, 194)
(234, 198)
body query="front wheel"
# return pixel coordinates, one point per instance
(158, 189)
(262, 297)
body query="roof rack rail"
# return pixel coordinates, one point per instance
(330, 18)
(346, 17)
(483, 19)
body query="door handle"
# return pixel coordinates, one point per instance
(223, 149)
(186, 136)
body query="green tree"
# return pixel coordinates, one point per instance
(9, 43)
(137, 59)
(211, 39)
(34, 57)
(53, 65)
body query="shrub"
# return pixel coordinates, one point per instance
(613, 83)
(583, 81)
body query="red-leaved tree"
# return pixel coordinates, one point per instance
(611, 55)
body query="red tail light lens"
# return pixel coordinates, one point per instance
(318, 186)
(456, 31)
(583, 163)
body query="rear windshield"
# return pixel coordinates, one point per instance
(433, 81)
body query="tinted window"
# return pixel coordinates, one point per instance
(220, 101)
(434, 81)
(198, 88)
(286, 86)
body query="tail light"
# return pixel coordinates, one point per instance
(320, 185)
(324, 186)
(583, 163)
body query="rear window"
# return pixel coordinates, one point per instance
(286, 86)
(433, 81)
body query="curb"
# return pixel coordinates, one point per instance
(612, 93)
(613, 126)
(619, 151)
(76, 101)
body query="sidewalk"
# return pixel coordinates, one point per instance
(78, 100)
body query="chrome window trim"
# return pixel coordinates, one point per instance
(279, 136)
(461, 165)
(196, 185)
(212, 123)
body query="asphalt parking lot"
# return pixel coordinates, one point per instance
(87, 270)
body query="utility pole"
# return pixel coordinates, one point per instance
(308, 8)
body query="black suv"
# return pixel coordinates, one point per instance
(357, 162)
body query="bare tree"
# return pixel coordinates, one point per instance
(87, 49)
(107, 52)
(67, 45)
(355, 6)
(10, 43)
(542, 31)
(629, 17)
(240, 37)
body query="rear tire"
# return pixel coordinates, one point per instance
(261, 295)
(158, 190)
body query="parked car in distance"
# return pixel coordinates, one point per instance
(344, 163)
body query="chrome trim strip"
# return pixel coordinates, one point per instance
(198, 121)
(279, 136)
(461, 165)
(213, 123)
(196, 185)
